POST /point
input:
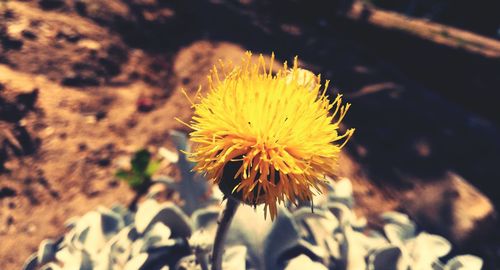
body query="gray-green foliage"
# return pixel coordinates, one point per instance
(334, 236)
(193, 188)
(165, 236)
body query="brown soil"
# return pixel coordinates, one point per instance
(85, 83)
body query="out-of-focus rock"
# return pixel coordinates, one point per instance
(451, 207)
(104, 12)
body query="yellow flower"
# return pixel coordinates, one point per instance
(265, 137)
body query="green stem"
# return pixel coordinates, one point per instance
(220, 237)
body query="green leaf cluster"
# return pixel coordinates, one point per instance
(142, 168)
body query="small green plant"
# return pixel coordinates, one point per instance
(138, 177)
(142, 168)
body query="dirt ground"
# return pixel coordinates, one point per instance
(86, 83)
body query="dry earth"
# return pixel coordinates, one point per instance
(85, 83)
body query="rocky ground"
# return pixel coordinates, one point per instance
(86, 83)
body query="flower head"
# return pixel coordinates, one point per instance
(265, 137)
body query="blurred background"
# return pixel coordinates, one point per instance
(84, 84)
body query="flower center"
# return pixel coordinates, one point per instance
(227, 186)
